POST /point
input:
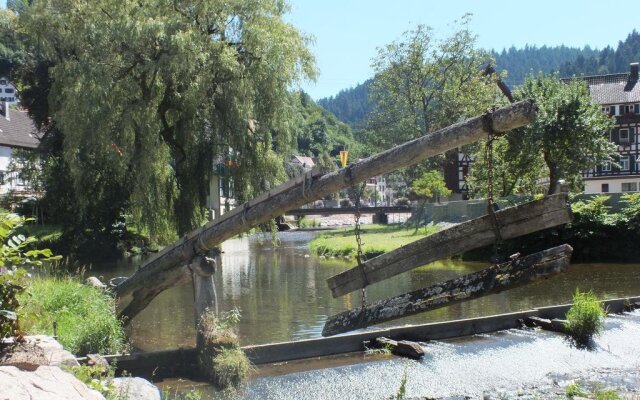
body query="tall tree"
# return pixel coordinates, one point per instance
(147, 96)
(570, 135)
(422, 84)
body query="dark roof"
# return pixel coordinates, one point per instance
(613, 88)
(18, 130)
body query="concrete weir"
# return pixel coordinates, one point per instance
(182, 362)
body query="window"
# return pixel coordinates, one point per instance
(636, 108)
(629, 186)
(638, 164)
(3, 82)
(624, 135)
(606, 166)
(609, 110)
(624, 163)
(605, 188)
(627, 109)
(8, 90)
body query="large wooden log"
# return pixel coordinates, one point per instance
(513, 222)
(161, 268)
(494, 279)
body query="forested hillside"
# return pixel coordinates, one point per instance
(352, 105)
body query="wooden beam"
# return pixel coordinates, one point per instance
(514, 221)
(494, 279)
(162, 268)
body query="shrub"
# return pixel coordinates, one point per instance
(230, 368)
(402, 201)
(86, 316)
(221, 359)
(16, 252)
(585, 318)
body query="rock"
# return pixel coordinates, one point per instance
(135, 389)
(95, 282)
(46, 382)
(24, 356)
(113, 282)
(55, 354)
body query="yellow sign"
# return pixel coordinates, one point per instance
(344, 156)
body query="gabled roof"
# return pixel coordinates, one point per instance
(306, 161)
(613, 88)
(18, 130)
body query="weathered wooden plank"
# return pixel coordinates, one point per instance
(499, 277)
(514, 221)
(165, 264)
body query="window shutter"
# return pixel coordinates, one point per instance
(636, 108)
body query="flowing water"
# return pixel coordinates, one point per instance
(282, 292)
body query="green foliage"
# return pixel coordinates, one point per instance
(221, 358)
(585, 318)
(606, 61)
(97, 378)
(145, 97)
(570, 132)
(231, 368)
(16, 253)
(86, 316)
(431, 184)
(423, 84)
(574, 390)
(402, 390)
(191, 394)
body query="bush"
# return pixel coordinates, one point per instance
(16, 252)
(86, 316)
(221, 358)
(402, 202)
(585, 318)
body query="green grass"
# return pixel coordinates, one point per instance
(377, 239)
(585, 318)
(86, 316)
(44, 233)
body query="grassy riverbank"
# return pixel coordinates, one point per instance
(85, 316)
(377, 239)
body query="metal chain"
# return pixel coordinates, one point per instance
(358, 234)
(490, 201)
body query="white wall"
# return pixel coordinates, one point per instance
(615, 185)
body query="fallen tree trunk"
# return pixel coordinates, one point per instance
(166, 265)
(494, 279)
(513, 222)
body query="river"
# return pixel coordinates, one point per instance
(282, 292)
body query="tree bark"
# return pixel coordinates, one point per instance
(165, 265)
(491, 280)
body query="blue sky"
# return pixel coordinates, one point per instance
(347, 32)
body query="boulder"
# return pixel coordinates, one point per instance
(55, 354)
(24, 356)
(46, 382)
(135, 389)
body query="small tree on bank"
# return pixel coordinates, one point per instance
(569, 136)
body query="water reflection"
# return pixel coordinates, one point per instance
(283, 295)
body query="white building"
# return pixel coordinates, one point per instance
(17, 131)
(8, 92)
(619, 95)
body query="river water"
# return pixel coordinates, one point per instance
(282, 292)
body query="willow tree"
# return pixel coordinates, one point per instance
(148, 95)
